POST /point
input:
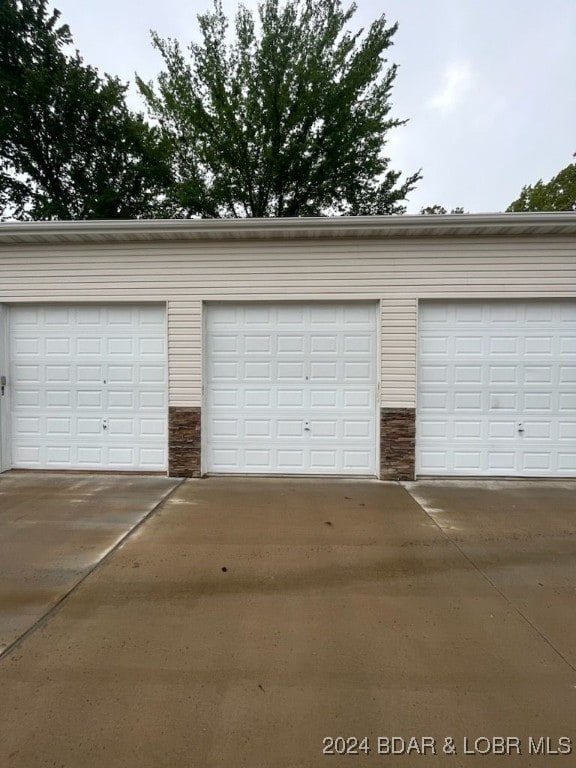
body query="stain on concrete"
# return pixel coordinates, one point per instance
(54, 528)
(379, 625)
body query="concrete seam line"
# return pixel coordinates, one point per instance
(492, 583)
(58, 604)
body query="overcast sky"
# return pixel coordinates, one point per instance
(489, 86)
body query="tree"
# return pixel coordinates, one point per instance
(288, 119)
(559, 194)
(430, 210)
(69, 146)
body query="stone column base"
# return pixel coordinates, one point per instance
(397, 443)
(184, 442)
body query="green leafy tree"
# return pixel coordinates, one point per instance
(290, 118)
(69, 146)
(559, 194)
(430, 210)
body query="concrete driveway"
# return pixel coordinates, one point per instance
(54, 529)
(248, 620)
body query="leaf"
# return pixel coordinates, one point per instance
(289, 117)
(69, 146)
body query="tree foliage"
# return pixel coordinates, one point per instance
(437, 209)
(559, 194)
(288, 119)
(69, 146)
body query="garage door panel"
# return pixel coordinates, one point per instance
(290, 371)
(255, 316)
(501, 345)
(508, 410)
(355, 460)
(462, 430)
(500, 375)
(433, 345)
(254, 428)
(262, 397)
(567, 462)
(324, 398)
(568, 345)
(292, 344)
(567, 430)
(540, 345)
(360, 344)
(500, 430)
(115, 400)
(151, 374)
(252, 370)
(256, 345)
(56, 316)
(467, 461)
(91, 374)
(87, 347)
(324, 344)
(298, 394)
(96, 379)
(537, 401)
(29, 398)
(150, 399)
(258, 459)
(567, 374)
(360, 398)
(290, 460)
(287, 429)
(501, 462)
(121, 346)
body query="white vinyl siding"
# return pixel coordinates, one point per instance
(395, 272)
(399, 342)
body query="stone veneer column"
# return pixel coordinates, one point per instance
(184, 442)
(397, 443)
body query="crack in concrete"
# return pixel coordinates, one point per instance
(428, 511)
(53, 610)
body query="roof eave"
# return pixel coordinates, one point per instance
(450, 225)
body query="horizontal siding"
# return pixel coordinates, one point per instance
(395, 272)
(399, 322)
(185, 352)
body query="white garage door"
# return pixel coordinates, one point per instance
(497, 389)
(88, 387)
(291, 389)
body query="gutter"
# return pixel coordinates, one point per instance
(449, 225)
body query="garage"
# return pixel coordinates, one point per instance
(377, 346)
(291, 388)
(497, 388)
(88, 387)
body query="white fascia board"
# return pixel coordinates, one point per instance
(451, 225)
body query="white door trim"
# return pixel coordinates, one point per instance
(5, 429)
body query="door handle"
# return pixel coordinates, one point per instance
(2, 384)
